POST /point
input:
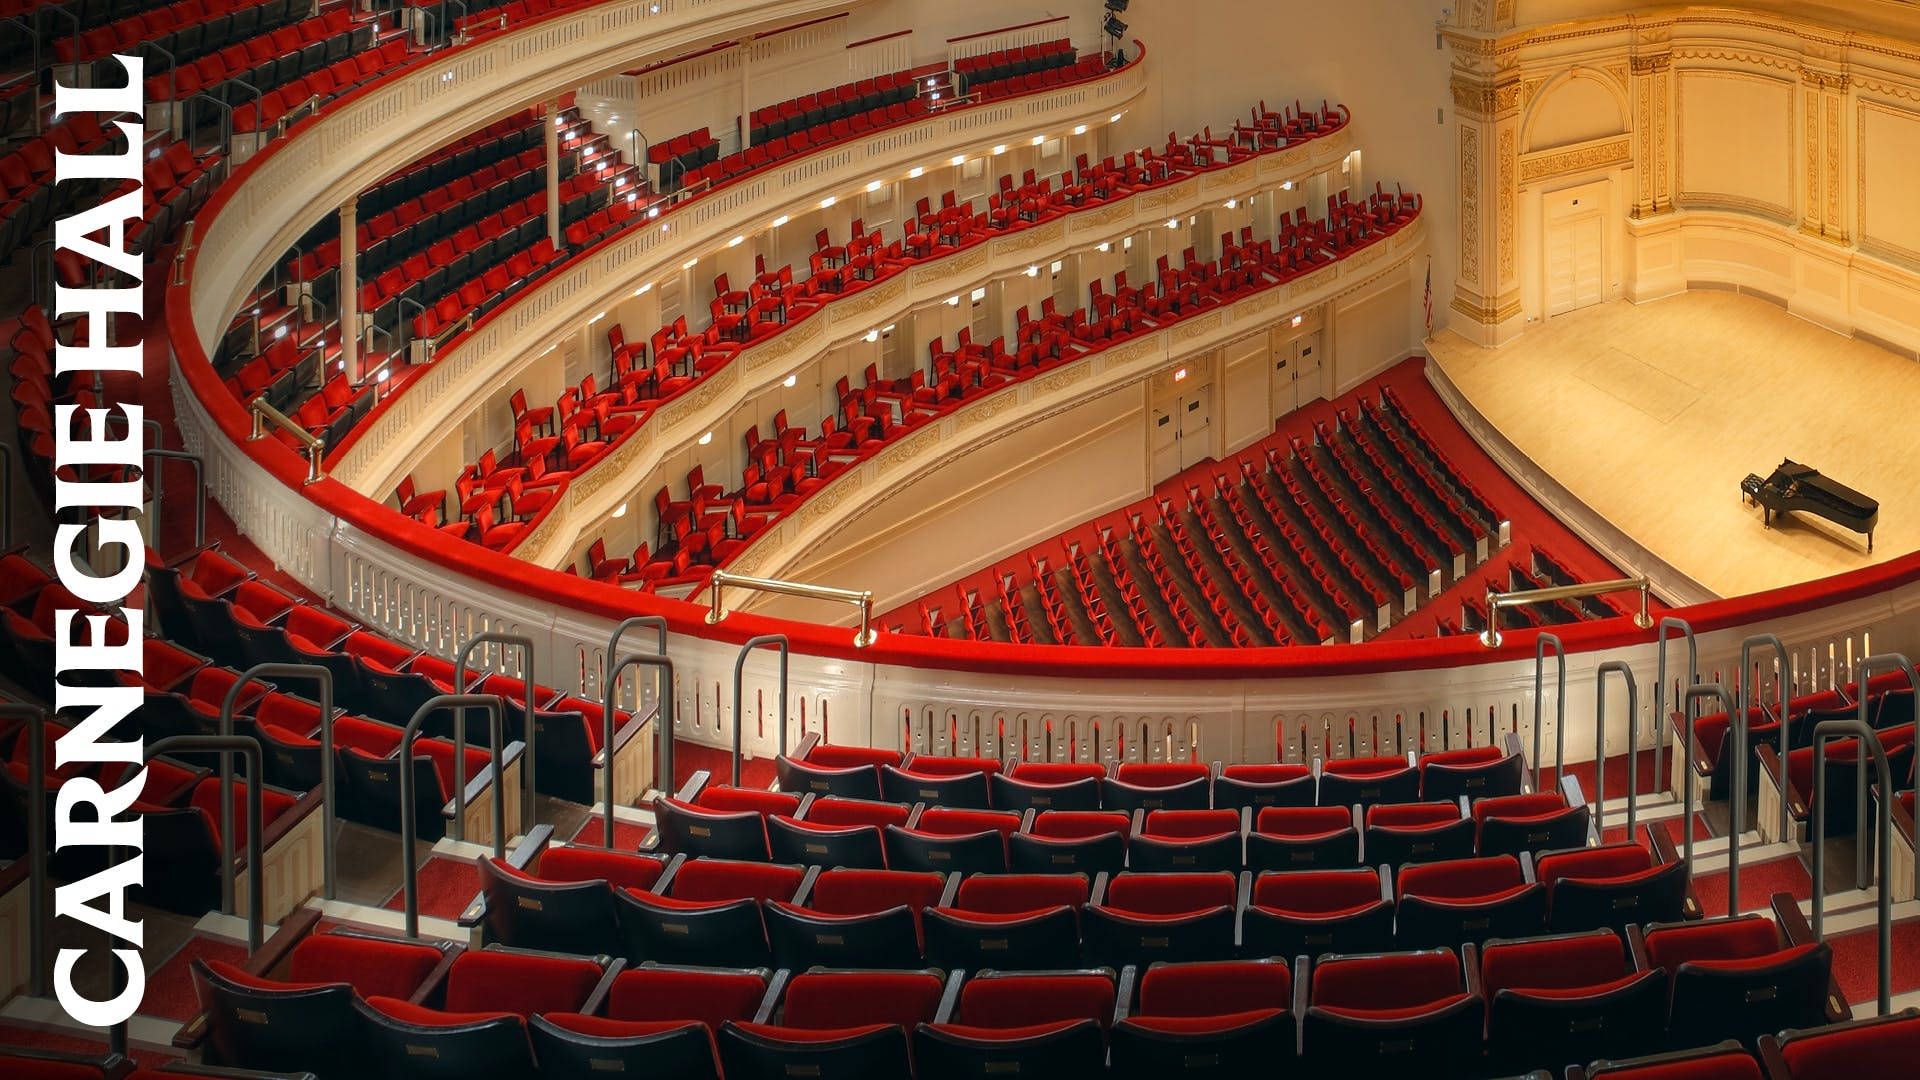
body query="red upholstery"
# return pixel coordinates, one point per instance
(1870, 1049)
(1368, 766)
(1215, 989)
(519, 983)
(1079, 824)
(864, 892)
(830, 756)
(1519, 806)
(832, 810)
(1012, 894)
(619, 869)
(206, 797)
(1463, 879)
(844, 999)
(725, 800)
(1323, 892)
(1027, 1000)
(1469, 755)
(1396, 983)
(1744, 938)
(1191, 824)
(1302, 821)
(375, 967)
(1171, 894)
(1057, 772)
(671, 994)
(421, 1016)
(1585, 961)
(945, 821)
(726, 879)
(936, 765)
(1412, 815)
(1608, 862)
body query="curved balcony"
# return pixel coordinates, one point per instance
(935, 694)
(507, 340)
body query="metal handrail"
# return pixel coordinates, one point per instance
(663, 755)
(173, 69)
(199, 493)
(659, 625)
(1599, 800)
(324, 677)
(1749, 698)
(36, 719)
(226, 745)
(772, 641)
(1661, 637)
(1559, 703)
(1738, 733)
(223, 112)
(315, 448)
(862, 599)
(529, 682)
(1490, 637)
(180, 255)
(33, 73)
(409, 823)
(1869, 743)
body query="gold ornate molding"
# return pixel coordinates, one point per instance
(1597, 155)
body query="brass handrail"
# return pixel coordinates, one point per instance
(314, 447)
(1490, 637)
(863, 599)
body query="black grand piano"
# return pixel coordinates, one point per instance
(1794, 486)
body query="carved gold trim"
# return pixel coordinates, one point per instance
(1579, 159)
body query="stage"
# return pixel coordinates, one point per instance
(1653, 413)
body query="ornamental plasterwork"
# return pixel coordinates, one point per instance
(1469, 203)
(860, 305)
(1739, 202)
(967, 260)
(1611, 152)
(784, 343)
(1188, 329)
(1031, 238)
(1055, 381)
(1239, 174)
(1505, 198)
(1088, 222)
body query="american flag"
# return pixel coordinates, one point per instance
(1426, 301)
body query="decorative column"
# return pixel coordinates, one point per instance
(350, 290)
(1487, 122)
(1823, 96)
(1652, 127)
(552, 117)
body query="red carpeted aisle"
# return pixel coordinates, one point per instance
(1856, 960)
(170, 986)
(690, 757)
(447, 885)
(1758, 883)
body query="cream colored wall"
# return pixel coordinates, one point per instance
(1768, 146)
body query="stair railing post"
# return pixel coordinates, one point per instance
(1749, 698)
(36, 721)
(1739, 736)
(1668, 622)
(772, 641)
(409, 821)
(1540, 644)
(1622, 669)
(529, 683)
(329, 815)
(663, 754)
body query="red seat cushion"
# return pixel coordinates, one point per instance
(1026, 1000)
(678, 994)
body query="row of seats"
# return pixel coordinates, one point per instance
(885, 409)
(212, 605)
(185, 29)
(1509, 1005)
(270, 60)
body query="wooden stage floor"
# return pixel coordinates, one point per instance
(1652, 413)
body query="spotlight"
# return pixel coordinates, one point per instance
(1114, 27)
(1116, 5)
